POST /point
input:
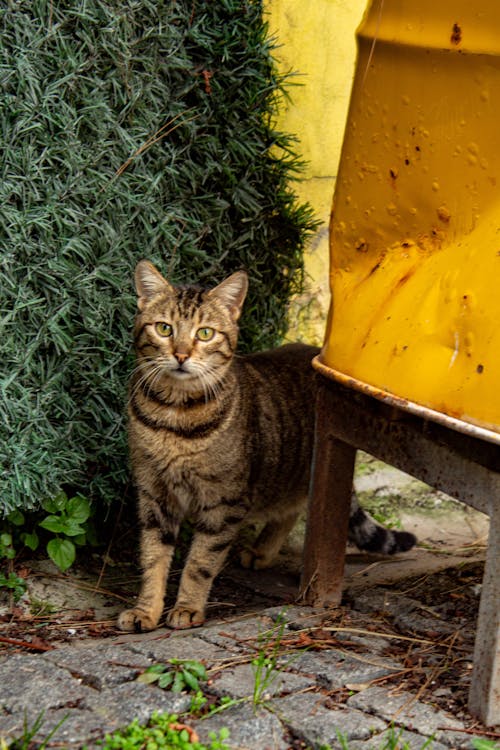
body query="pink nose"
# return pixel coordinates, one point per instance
(181, 357)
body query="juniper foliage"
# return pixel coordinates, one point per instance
(129, 129)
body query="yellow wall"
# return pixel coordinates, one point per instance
(317, 39)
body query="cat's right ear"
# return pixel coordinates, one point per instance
(232, 292)
(148, 283)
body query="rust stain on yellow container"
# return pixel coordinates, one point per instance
(415, 228)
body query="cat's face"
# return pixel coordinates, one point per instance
(186, 333)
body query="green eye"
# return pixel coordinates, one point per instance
(163, 329)
(205, 334)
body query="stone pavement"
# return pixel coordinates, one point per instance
(95, 687)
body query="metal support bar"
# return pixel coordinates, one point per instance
(328, 512)
(484, 694)
(464, 467)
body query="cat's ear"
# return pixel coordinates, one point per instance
(232, 292)
(148, 283)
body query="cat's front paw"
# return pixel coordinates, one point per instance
(136, 621)
(182, 616)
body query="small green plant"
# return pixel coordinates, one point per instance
(25, 741)
(264, 665)
(9, 579)
(392, 740)
(162, 732)
(176, 675)
(483, 743)
(389, 520)
(68, 520)
(14, 583)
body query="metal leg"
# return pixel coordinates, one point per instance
(466, 468)
(328, 514)
(484, 695)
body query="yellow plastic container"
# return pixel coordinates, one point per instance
(415, 228)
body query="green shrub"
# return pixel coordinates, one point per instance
(130, 129)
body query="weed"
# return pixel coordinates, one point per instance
(389, 520)
(176, 675)
(68, 520)
(391, 741)
(24, 742)
(162, 732)
(41, 608)
(8, 578)
(264, 665)
(482, 743)
(13, 583)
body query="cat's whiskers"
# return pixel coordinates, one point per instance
(210, 379)
(153, 370)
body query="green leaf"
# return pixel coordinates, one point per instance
(5, 539)
(165, 680)
(80, 540)
(70, 527)
(197, 669)
(147, 678)
(178, 685)
(16, 518)
(30, 540)
(55, 504)
(78, 509)
(190, 679)
(156, 669)
(62, 552)
(52, 523)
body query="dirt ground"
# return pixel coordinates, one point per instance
(422, 604)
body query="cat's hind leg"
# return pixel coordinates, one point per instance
(268, 544)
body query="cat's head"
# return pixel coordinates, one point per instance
(187, 333)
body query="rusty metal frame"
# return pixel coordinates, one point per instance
(462, 465)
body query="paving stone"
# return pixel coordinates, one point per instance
(296, 617)
(414, 715)
(34, 685)
(134, 700)
(239, 635)
(408, 614)
(77, 728)
(99, 667)
(309, 719)
(412, 740)
(249, 730)
(334, 669)
(374, 644)
(181, 647)
(240, 681)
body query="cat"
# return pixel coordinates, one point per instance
(220, 438)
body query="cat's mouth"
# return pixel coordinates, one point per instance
(180, 371)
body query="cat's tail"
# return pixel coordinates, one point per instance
(369, 535)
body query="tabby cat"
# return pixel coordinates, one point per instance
(221, 438)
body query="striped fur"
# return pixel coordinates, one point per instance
(223, 439)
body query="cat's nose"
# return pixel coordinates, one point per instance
(181, 357)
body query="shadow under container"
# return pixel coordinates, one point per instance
(410, 364)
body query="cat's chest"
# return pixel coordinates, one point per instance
(209, 447)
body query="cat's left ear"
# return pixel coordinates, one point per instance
(148, 283)
(232, 292)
